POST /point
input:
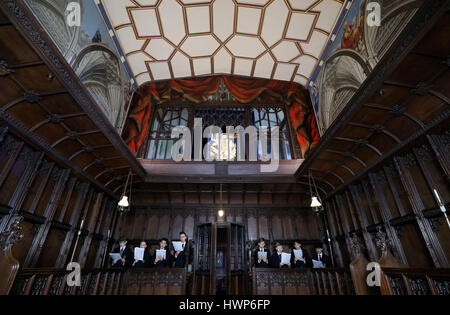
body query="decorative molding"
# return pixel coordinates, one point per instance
(409, 160)
(356, 246)
(26, 155)
(5, 69)
(10, 146)
(398, 110)
(422, 89)
(424, 153)
(73, 135)
(12, 234)
(31, 96)
(3, 132)
(381, 240)
(54, 118)
(436, 223)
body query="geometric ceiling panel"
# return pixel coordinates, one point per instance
(272, 39)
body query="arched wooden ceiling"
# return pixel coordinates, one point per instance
(406, 97)
(43, 102)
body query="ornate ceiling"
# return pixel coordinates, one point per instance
(274, 39)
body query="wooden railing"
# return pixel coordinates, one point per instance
(50, 281)
(155, 281)
(326, 281)
(411, 281)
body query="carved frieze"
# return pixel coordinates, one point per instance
(12, 234)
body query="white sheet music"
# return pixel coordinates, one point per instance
(317, 263)
(139, 253)
(115, 256)
(177, 246)
(285, 258)
(262, 255)
(161, 252)
(298, 253)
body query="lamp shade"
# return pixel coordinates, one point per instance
(315, 202)
(124, 202)
(221, 213)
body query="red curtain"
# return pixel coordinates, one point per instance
(245, 90)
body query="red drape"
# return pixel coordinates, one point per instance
(245, 90)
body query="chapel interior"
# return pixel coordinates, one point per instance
(118, 125)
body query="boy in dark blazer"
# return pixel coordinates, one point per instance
(276, 258)
(125, 252)
(145, 263)
(186, 256)
(320, 256)
(160, 261)
(264, 262)
(302, 262)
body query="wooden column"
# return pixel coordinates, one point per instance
(373, 255)
(375, 181)
(431, 241)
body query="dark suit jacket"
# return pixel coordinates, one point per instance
(127, 254)
(325, 260)
(261, 264)
(162, 263)
(301, 264)
(185, 257)
(275, 261)
(144, 264)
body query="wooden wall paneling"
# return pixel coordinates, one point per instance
(103, 225)
(16, 178)
(62, 207)
(333, 233)
(51, 248)
(392, 177)
(339, 204)
(82, 191)
(431, 241)
(45, 171)
(89, 218)
(93, 215)
(189, 224)
(277, 228)
(101, 217)
(58, 177)
(372, 207)
(263, 226)
(416, 251)
(440, 145)
(22, 189)
(12, 149)
(163, 227)
(177, 226)
(343, 213)
(152, 232)
(351, 211)
(372, 251)
(386, 216)
(431, 175)
(336, 219)
(252, 225)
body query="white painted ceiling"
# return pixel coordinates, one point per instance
(273, 39)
